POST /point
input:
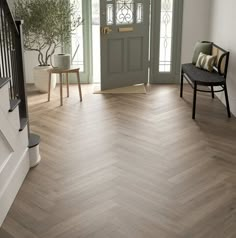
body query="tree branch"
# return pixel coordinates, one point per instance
(46, 56)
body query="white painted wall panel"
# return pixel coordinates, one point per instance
(4, 99)
(5, 150)
(14, 156)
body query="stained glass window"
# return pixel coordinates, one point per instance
(139, 13)
(166, 36)
(109, 14)
(124, 12)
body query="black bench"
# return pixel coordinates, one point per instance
(197, 77)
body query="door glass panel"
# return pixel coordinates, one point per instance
(124, 12)
(109, 14)
(139, 13)
(166, 35)
(96, 41)
(77, 40)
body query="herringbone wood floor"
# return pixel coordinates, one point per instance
(129, 166)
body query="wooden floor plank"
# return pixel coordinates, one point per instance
(128, 166)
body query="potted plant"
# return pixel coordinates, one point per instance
(48, 25)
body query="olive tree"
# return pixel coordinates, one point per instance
(48, 24)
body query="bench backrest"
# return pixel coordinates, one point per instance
(222, 59)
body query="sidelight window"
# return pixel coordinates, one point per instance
(77, 40)
(166, 36)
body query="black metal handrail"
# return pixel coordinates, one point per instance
(11, 56)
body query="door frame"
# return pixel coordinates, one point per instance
(157, 77)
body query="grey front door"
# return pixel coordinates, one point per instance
(124, 42)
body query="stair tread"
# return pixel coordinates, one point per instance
(4, 81)
(13, 104)
(23, 123)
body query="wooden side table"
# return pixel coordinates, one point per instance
(60, 72)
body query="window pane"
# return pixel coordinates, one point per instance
(166, 36)
(77, 41)
(124, 12)
(109, 14)
(139, 13)
(96, 41)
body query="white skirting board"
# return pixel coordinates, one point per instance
(13, 184)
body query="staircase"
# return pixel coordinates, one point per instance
(18, 147)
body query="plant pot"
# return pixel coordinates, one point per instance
(34, 155)
(62, 61)
(41, 78)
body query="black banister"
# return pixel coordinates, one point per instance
(21, 72)
(12, 58)
(10, 16)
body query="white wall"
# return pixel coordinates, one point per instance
(196, 25)
(223, 33)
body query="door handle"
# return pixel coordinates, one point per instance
(106, 30)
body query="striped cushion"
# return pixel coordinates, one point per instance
(206, 62)
(204, 47)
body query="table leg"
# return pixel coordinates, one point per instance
(79, 86)
(49, 86)
(67, 82)
(61, 93)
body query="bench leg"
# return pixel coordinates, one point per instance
(227, 100)
(181, 84)
(212, 92)
(194, 100)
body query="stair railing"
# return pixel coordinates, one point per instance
(11, 57)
